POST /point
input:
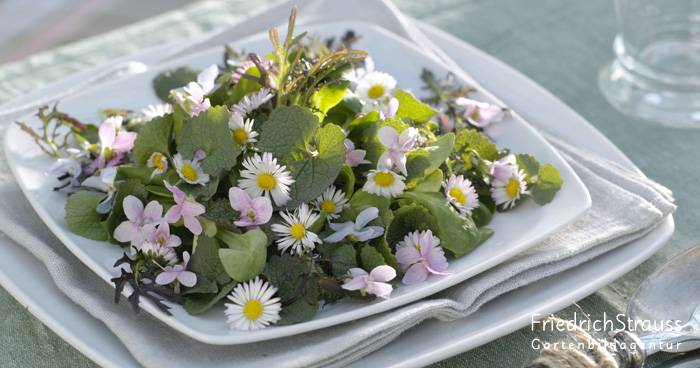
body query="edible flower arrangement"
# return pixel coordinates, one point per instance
(278, 183)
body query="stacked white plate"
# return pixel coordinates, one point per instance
(29, 282)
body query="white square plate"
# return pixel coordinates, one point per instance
(514, 231)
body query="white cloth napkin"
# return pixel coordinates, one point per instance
(626, 206)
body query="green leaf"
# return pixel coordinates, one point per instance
(82, 217)
(482, 215)
(345, 111)
(381, 245)
(306, 307)
(244, 87)
(412, 108)
(168, 80)
(205, 260)
(329, 96)
(219, 210)
(201, 192)
(284, 272)
(346, 181)
(429, 183)
(200, 303)
(313, 175)
(343, 258)
(154, 136)
(203, 286)
(362, 200)
(458, 235)
(529, 164)
(470, 139)
(246, 254)
(209, 132)
(116, 216)
(409, 218)
(426, 160)
(371, 258)
(288, 132)
(549, 181)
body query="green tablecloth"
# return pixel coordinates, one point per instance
(559, 44)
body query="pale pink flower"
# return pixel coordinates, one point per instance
(420, 254)
(179, 273)
(375, 283)
(140, 220)
(162, 237)
(115, 143)
(389, 111)
(254, 211)
(504, 168)
(398, 145)
(186, 208)
(354, 157)
(480, 114)
(193, 100)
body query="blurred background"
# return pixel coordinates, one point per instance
(29, 26)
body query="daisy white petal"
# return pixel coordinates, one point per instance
(332, 202)
(294, 234)
(151, 112)
(242, 130)
(507, 193)
(384, 182)
(262, 176)
(460, 192)
(253, 306)
(158, 162)
(375, 86)
(190, 170)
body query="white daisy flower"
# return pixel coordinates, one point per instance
(158, 162)
(264, 177)
(253, 306)
(162, 255)
(294, 233)
(332, 201)
(190, 170)
(507, 193)
(460, 192)
(242, 130)
(384, 182)
(151, 112)
(375, 87)
(252, 101)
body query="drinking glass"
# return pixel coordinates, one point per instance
(656, 71)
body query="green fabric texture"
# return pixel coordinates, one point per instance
(559, 44)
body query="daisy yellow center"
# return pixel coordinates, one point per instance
(158, 161)
(458, 195)
(375, 91)
(266, 181)
(418, 248)
(297, 231)
(253, 309)
(189, 173)
(328, 206)
(240, 136)
(384, 179)
(512, 188)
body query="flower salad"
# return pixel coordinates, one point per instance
(276, 184)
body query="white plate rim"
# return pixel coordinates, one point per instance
(609, 150)
(282, 331)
